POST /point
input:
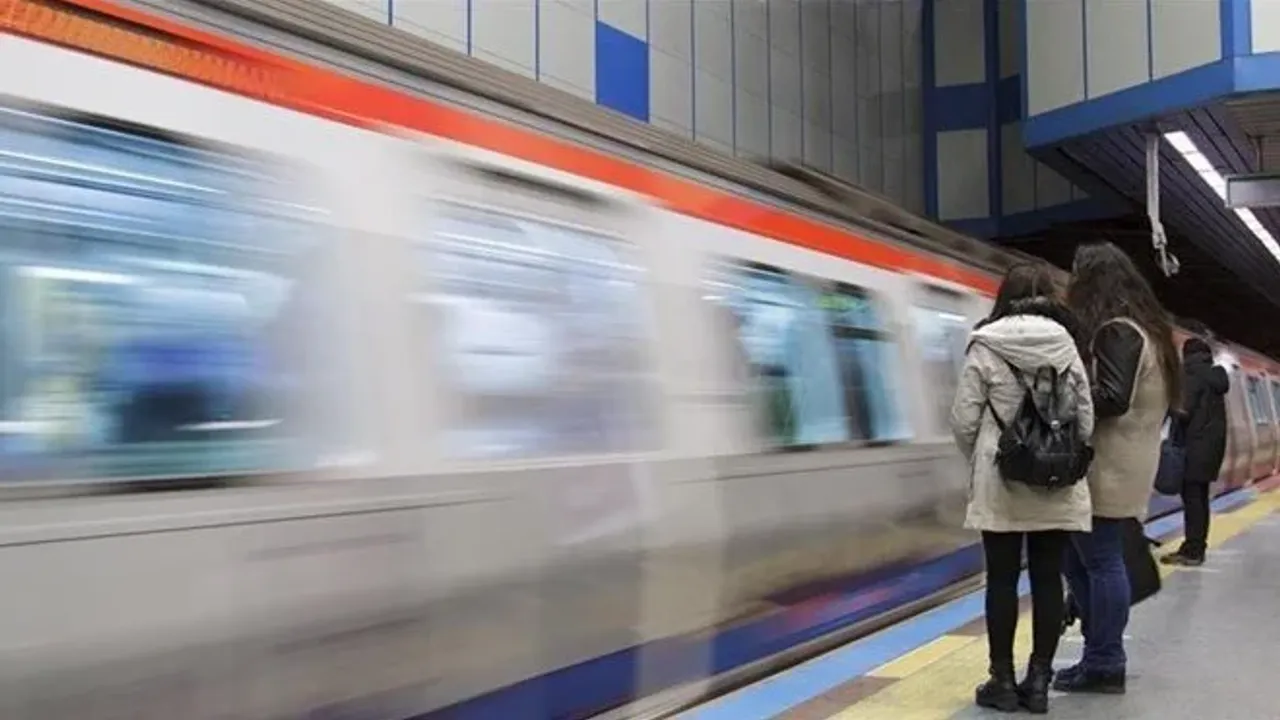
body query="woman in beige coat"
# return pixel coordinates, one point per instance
(1027, 330)
(1136, 377)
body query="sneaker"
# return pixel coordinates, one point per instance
(1180, 559)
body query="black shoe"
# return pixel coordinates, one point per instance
(999, 691)
(1183, 559)
(1090, 681)
(1033, 691)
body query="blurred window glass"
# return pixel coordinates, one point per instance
(543, 336)
(159, 311)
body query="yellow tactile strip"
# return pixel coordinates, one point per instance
(936, 680)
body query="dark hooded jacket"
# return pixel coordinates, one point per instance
(1205, 420)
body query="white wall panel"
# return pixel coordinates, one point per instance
(671, 90)
(567, 47)
(1055, 54)
(815, 35)
(751, 17)
(844, 78)
(817, 98)
(844, 20)
(712, 40)
(1265, 22)
(752, 124)
(1184, 34)
(891, 77)
(959, 50)
(871, 165)
(502, 32)
(1017, 172)
(1051, 188)
(870, 143)
(751, 60)
(835, 83)
(629, 16)
(1010, 23)
(443, 22)
(713, 108)
(671, 27)
(817, 146)
(846, 159)
(784, 80)
(894, 173)
(784, 25)
(867, 61)
(962, 174)
(1116, 43)
(913, 172)
(372, 9)
(785, 134)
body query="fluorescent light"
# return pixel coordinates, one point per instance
(73, 275)
(1186, 147)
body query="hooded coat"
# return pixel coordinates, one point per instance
(1027, 340)
(1205, 390)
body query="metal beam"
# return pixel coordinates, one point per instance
(1166, 260)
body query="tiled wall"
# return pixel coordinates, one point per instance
(835, 83)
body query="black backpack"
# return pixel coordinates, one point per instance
(1040, 447)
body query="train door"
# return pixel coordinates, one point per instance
(1263, 427)
(1274, 393)
(940, 319)
(1240, 431)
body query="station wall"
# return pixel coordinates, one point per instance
(1078, 50)
(835, 83)
(982, 179)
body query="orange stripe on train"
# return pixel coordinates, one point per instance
(120, 33)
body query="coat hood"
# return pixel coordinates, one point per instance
(1197, 357)
(1028, 341)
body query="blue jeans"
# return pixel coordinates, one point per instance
(1100, 584)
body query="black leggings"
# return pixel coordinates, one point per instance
(1045, 552)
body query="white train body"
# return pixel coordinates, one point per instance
(503, 456)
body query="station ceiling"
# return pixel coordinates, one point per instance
(1229, 279)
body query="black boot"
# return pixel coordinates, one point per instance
(999, 691)
(1033, 691)
(1091, 681)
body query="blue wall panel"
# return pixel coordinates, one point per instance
(622, 72)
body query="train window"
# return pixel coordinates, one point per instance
(543, 330)
(942, 336)
(1275, 394)
(1258, 402)
(158, 311)
(818, 356)
(867, 357)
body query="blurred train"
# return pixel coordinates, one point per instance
(324, 400)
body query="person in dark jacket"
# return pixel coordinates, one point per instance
(1205, 422)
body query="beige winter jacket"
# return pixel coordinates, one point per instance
(1127, 446)
(1027, 342)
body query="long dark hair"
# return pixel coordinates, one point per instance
(1107, 285)
(1029, 288)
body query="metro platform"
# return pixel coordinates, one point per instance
(1202, 648)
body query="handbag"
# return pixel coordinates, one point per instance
(1171, 473)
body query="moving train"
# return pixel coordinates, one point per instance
(321, 398)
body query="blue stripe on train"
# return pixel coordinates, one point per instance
(593, 686)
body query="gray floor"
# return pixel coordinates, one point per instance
(1206, 648)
